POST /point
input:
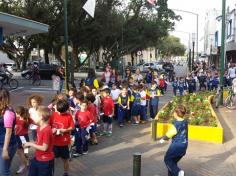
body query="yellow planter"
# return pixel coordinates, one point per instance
(225, 93)
(202, 133)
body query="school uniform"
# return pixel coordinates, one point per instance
(108, 109)
(182, 86)
(178, 147)
(136, 107)
(122, 112)
(215, 83)
(143, 107)
(43, 162)
(175, 87)
(154, 101)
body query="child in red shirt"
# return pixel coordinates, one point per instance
(107, 106)
(62, 124)
(21, 130)
(84, 120)
(43, 163)
(92, 108)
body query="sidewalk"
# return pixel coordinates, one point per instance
(113, 156)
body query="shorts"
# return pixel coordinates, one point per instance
(136, 110)
(19, 143)
(62, 152)
(107, 119)
(41, 168)
(93, 128)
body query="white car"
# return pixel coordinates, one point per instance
(10, 66)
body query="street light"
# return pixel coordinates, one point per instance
(193, 41)
(66, 46)
(192, 13)
(222, 54)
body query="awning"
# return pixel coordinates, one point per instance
(18, 26)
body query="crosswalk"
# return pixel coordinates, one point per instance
(40, 89)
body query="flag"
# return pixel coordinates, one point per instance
(89, 7)
(151, 1)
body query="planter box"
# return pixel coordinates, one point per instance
(202, 133)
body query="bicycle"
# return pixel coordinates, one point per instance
(230, 101)
(12, 83)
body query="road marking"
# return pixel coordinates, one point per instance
(41, 88)
(16, 89)
(40, 91)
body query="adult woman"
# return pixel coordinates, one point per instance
(128, 74)
(61, 74)
(7, 134)
(106, 76)
(91, 80)
(138, 77)
(114, 76)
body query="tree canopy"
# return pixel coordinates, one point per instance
(118, 28)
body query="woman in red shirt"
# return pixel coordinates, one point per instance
(21, 129)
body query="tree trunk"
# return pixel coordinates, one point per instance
(75, 53)
(132, 58)
(46, 52)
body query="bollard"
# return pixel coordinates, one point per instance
(137, 164)
(154, 129)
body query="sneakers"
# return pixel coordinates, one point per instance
(85, 153)
(121, 125)
(65, 174)
(21, 170)
(136, 123)
(76, 154)
(109, 134)
(181, 173)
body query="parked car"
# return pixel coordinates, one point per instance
(157, 66)
(45, 70)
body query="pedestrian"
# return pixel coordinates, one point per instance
(34, 101)
(106, 76)
(114, 77)
(43, 162)
(72, 92)
(154, 94)
(123, 106)
(115, 92)
(182, 86)
(91, 80)
(179, 145)
(84, 119)
(7, 133)
(149, 76)
(138, 77)
(162, 84)
(61, 74)
(21, 130)
(92, 108)
(143, 103)
(231, 73)
(175, 86)
(62, 124)
(136, 107)
(107, 106)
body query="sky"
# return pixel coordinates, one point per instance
(188, 23)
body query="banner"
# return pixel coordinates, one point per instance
(89, 7)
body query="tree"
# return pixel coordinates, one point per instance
(171, 46)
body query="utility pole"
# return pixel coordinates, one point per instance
(66, 46)
(222, 54)
(192, 57)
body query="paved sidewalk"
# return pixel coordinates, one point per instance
(113, 155)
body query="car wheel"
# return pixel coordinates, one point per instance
(27, 76)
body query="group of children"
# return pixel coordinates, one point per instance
(190, 83)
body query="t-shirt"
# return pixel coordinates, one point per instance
(143, 95)
(115, 94)
(84, 118)
(92, 108)
(61, 121)
(33, 116)
(232, 73)
(21, 129)
(107, 106)
(44, 136)
(138, 77)
(9, 118)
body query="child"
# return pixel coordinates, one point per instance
(175, 86)
(215, 82)
(107, 106)
(182, 86)
(34, 101)
(178, 147)
(123, 106)
(72, 92)
(21, 130)
(115, 92)
(162, 85)
(62, 124)
(84, 119)
(136, 107)
(97, 101)
(43, 162)
(92, 108)
(154, 99)
(143, 103)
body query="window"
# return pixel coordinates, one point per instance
(229, 29)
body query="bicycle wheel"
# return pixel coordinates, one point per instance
(230, 102)
(13, 83)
